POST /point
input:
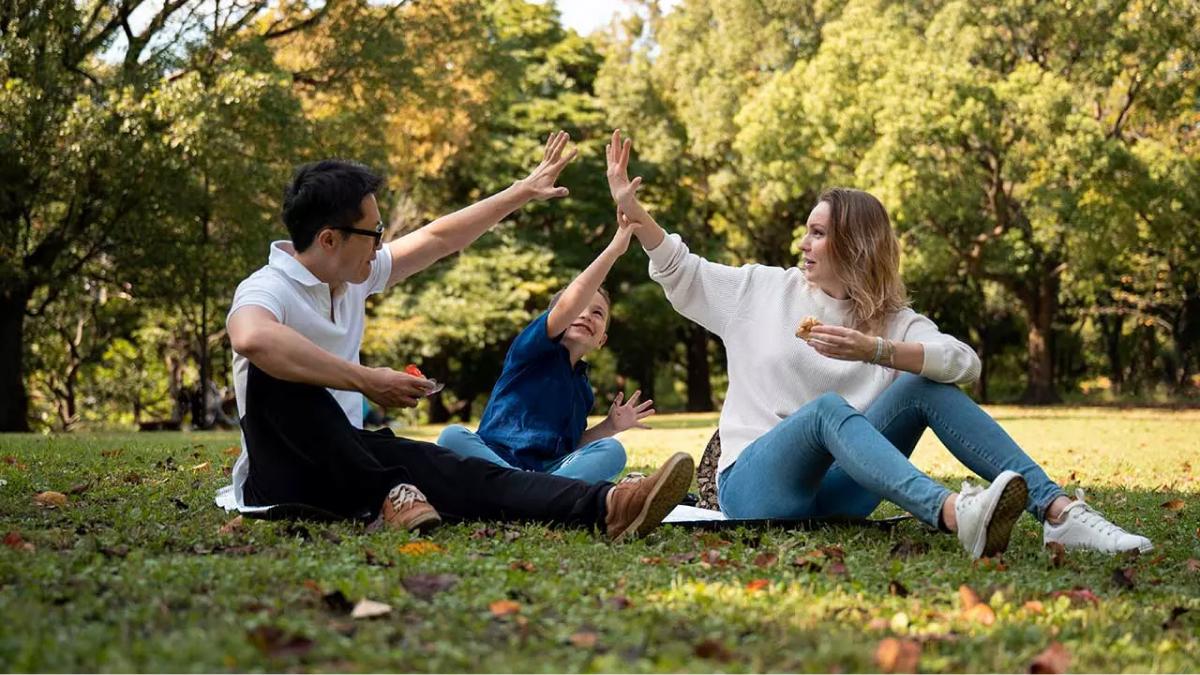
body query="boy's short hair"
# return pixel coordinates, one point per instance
(603, 293)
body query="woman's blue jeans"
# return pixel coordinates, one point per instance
(595, 462)
(827, 459)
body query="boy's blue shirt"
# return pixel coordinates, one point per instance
(539, 407)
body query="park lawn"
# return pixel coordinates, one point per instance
(133, 575)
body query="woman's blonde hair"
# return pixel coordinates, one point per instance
(866, 255)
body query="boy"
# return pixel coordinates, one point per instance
(536, 417)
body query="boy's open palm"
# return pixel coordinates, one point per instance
(624, 415)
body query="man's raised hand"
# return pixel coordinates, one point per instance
(540, 184)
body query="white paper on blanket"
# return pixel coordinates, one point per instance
(691, 514)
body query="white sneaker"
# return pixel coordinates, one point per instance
(1084, 527)
(986, 517)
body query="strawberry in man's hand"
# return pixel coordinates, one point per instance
(413, 370)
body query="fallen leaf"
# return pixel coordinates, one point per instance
(834, 552)
(369, 609)
(1193, 565)
(1034, 606)
(837, 568)
(133, 478)
(1173, 621)
(620, 602)
(416, 548)
(711, 540)
(765, 559)
(714, 650)
(231, 527)
(975, 609)
(15, 541)
(1078, 594)
(897, 656)
(522, 565)
(584, 639)
(50, 499)
(312, 585)
(897, 589)
(202, 466)
(968, 596)
(806, 563)
(114, 452)
(484, 533)
(650, 560)
(1173, 505)
(712, 557)
(425, 586)
(79, 488)
(273, 642)
(337, 603)
(501, 608)
(994, 563)
(1054, 659)
(1123, 577)
(232, 451)
(373, 559)
(757, 585)
(1058, 553)
(909, 548)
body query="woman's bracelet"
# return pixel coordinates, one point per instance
(878, 350)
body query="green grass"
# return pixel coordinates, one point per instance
(133, 575)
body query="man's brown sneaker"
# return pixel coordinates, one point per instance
(406, 508)
(637, 505)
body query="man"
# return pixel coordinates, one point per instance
(296, 327)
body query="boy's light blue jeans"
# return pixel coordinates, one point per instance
(595, 462)
(827, 459)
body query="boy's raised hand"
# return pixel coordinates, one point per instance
(631, 414)
(541, 182)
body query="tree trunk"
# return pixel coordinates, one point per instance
(14, 402)
(699, 386)
(645, 378)
(1041, 306)
(1110, 327)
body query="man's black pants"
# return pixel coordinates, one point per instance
(303, 450)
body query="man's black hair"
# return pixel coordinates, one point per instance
(324, 194)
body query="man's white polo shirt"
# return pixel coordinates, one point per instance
(303, 303)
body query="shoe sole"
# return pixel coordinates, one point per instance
(425, 523)
(672, 485)
(1008, 509)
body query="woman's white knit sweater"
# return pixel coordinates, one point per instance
(755, 310)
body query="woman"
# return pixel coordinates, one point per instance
(825, 426)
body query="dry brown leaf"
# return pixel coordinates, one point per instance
(504, 608)
(968, 596)
(420, 548)
(712, 649)
(981, 614)
(232, 451)
(584, 639)
(757, 585)
(651, 560)
(50, 499)
(1054, 659)
(369, 609)
(898, 656)
(15, 541)
(202, 466)
(522, 565)
(765, 559)
(1078, 594)
(1173, 505)
(231, 527)
(1058, 553)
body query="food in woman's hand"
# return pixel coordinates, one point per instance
(804, 330)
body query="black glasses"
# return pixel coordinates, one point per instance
(377, 233)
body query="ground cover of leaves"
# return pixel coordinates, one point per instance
(134, 569)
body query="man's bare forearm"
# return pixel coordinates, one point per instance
(285, 354)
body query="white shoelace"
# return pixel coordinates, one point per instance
(1091, 518)
(969, 490)
(404, 495)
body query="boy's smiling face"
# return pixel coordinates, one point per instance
(589, 330)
